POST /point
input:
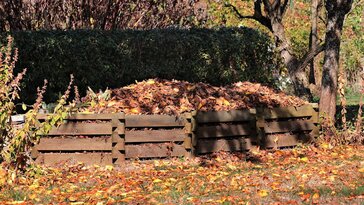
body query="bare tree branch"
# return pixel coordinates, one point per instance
(257, 16)
(284, 7)
(307, 58)
(355, 4)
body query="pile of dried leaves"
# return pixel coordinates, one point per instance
(157, 96)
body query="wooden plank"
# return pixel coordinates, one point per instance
(231, 145)
(224, 130)
(154, 135)
(225, 116)
(80, 116)
(150, 150)
(187, 142)
(288, 126)
(74, 144)
(73, 128)
(288, 112)
(285, 140)
(188, 128)
(87, 158)
(154, 121)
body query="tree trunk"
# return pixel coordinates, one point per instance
(297, 75)
(315, 7)
(336, 11)
(272, 18)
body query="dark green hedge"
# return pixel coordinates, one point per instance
(101, 59)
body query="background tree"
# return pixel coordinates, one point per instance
(270, 14)
(336, 12)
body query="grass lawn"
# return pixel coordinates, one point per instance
(299, 176)
(353, 98)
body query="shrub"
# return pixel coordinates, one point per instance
(102, 59)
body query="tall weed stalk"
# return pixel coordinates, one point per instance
(16, 143)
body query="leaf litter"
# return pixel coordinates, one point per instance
(328, 176)
(173, 97)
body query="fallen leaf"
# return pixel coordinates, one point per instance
(263, 193)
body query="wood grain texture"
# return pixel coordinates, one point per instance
(286, 140)
(80, 116)
(230, 145)
(151, 150)
(74, 128)
(224, 130)
(74, 144)
(135, 121)
(87, 158)
(288, 112)
(288, 126)
(155, 136)
(224, 116)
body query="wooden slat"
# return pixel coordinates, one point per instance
(73, 128)
(209, 146)
(87, 158)
(285, 140)
(74, 144)
(187, 142)
(155, 135)
(80, 116)
(154, 121)
(154, 150)
(288, 112)
(224, 130)
(288, 126)
(225, 116)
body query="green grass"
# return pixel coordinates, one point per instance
(352, 98)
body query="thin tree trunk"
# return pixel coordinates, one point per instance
(313, 37)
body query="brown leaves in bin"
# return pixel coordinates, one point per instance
(158, 96)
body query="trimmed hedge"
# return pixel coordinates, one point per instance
(102, 59)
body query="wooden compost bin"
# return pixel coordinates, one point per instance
(88, 138)
(111, 138)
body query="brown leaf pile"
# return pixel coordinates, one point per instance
(157, 96)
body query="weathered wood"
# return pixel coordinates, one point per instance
(116, 138)
(188, 128)
(315, 117)
(285, 140)
(230, 145)
(288, 126)
(87, 158)
(80, 116)
(74, 128)
(116, 151)
(154, 136)
(34, 153)
(259, 126)
(154, 121)
(154, 150)
(288, 112)
(187, 141)
(224, 130)
(74, 144)
(224, 116)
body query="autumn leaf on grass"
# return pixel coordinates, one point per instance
(304, 159)
(361, 170)
(157, 181)
(263, 193)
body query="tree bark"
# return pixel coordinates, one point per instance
(315, 8)
(336, 11)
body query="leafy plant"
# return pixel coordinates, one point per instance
(16, 143)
